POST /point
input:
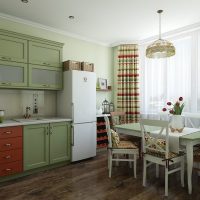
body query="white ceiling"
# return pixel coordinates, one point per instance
(106, 21)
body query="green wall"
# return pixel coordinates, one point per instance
(74, 49)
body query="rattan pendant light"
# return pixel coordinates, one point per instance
(160, 48)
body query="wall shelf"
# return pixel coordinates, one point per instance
(103, 90)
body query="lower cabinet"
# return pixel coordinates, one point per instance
(46, 144)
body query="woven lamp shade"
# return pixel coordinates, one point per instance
(160, 49)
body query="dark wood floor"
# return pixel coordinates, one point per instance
(88, 180)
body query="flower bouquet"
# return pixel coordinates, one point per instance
(176, 110)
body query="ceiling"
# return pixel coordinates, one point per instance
(106, 21)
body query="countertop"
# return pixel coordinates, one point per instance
(24, 122)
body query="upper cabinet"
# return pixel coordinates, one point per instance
(29, 62)
(13, 49)
(44, 54)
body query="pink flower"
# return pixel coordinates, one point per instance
(169, 103)
(164, 109)
(180, 98)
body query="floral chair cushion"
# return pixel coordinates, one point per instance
(115, 138)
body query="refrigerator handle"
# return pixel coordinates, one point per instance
(72, 139)
(72, 111)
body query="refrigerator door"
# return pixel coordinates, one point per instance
(83, 96)
(83, 141)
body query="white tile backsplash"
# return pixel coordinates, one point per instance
(14, 102)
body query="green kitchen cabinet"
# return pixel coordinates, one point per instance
(36, 146)
(13, 75)
(13, 49)
(45, 54)
(46, 144)
(41, 77)
(59, 142)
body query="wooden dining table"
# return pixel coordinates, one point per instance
(188, 141)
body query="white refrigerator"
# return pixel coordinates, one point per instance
(77, 101)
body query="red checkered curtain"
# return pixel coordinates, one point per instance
(128, 82)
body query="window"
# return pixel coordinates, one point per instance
(164, 80)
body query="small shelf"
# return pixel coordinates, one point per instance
(103, 90)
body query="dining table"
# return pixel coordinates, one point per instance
(187, 141)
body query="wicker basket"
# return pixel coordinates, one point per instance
(71, 65)
(85, 66)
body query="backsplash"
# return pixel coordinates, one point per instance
(14, 102)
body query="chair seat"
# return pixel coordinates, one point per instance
(126, 145)
(162, 155)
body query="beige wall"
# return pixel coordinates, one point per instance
(74, 49)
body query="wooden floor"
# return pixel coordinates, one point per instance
(88, 180)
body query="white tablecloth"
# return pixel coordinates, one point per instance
(175, 137)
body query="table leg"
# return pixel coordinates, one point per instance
(189, 152)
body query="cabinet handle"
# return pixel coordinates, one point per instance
(7, 132)
(8, 169)
(5, 58)
(44, 63)
(44, 85)
(72, 136)
(7, 157)
(47, 130)
(8, 145)
(5, 83)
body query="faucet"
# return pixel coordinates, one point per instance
(27, 115)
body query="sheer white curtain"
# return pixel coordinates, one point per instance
(167, 79)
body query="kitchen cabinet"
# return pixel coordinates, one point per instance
(29, 62)
(13, 75)
(46, 144)
(42, 77)
(44, 54)
(13, 49)
(11, 149)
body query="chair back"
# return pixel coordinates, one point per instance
(108, 131)
(155, 136)
(118, 118)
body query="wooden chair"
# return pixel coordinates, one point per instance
(196, 159)
(117, 147)
(119, 117)
(156, 150)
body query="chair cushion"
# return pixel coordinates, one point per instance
(160, 142)
(162, 154)
(126, 145)
(115, 138)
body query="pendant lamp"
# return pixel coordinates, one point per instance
(160, 48)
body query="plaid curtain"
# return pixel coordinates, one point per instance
(128, 81)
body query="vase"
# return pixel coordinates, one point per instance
(177, 122)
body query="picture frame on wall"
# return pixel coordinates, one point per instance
(103, 84)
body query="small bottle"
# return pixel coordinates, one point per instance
(2, 116)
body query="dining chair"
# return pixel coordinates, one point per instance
(120, 150)
(118, 118)
(156, 150)
(196, 159)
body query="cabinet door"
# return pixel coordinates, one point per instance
(45, 77)
(36, 146)
(59, 142)
(13, 49)
(44, 54)
(13, 75)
